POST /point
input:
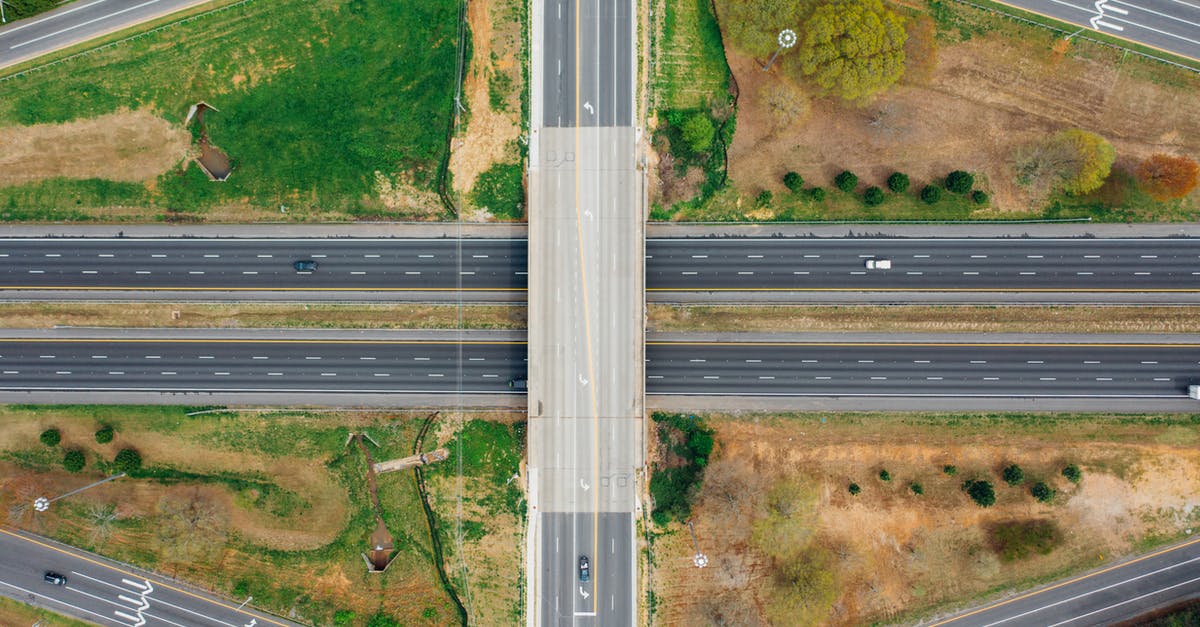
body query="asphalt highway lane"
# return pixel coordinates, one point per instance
(1107, 596)
(943, 369)
(76, 22)
(111, 594)
(672, 265)
(1170, 25)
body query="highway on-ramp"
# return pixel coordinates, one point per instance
(1106, 596)
(77, 22)
(1169, 25)
(108, 593)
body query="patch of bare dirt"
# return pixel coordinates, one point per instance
(895, 552)
(123, 146)
(490, 135)
(986, 98)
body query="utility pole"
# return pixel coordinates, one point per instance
(787, 39)
(700, 560)
(42, 503)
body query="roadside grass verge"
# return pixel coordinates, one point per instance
(17, 613)
(263, 315)
(322, 106)
(920, 318)
(690, 70)
(270, 504)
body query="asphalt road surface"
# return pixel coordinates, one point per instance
(672, 265)
(1107, 596)
(1170, 25)
(76, 22)
(108, 593)
(895, 369)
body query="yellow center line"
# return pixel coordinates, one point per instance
(1013, 290)
(122, 571)
(1066, 583)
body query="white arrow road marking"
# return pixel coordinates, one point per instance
(590, 109)
(145, 604)
(583, 592)
(146, 588)
(252, 623)
(582, 380)
(584, 485)
(138, 620)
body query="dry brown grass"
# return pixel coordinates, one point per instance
(176, 315)
(130, 146)
(17, 613)
(896, 554)
(948, 319)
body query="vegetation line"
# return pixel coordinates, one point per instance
(431, 523)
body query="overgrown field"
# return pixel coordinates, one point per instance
(273, 504)
(863, 518)
(329, 109)
(986, 93)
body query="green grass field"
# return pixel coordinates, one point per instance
(315, 98)
(690, 71)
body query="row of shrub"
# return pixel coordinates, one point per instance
(958, 182)
(127, 460)
(982, 491)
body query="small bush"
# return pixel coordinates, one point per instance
(51, 437)
(884, 475)
(1017, 539)
(764, 198)
(959, 182)
(981, 492)
(873, 196)
(979, 197)
(931, 194)
(793, 181)
(128, 461)
(698, 133)
(1072, 473)
(950, 469)
(898, 182)
(343, 617)
(817, 194)
(104, 434)
(854, 489)
(1042, 492)
(846, 181)
(916, 488)
(1013, 475)
(74, 460)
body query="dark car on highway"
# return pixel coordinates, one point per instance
(305, 265)
(519, 384)
(585, 571)
(54, 578)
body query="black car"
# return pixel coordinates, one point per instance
(585, 571)
(54, 578)
(519, 384)
(305, 265)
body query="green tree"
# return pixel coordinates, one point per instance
(104, 434)
(1042, 492)
(128, 460)
(898, 182)
(931, 194)
(74, 460)
(1072, 473)
(817, 194)
(846, 181)
(698, 133)
(753, 25)
(854, 489)
(1013, 475)
(764, 198)
(884, 475)
(950, 469)
(852, 48)
(959, 182)
(981, 492)
(873, 196)
(51, 437)
(979, 197)
(793, 182)
(916, 488)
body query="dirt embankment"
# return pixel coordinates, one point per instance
(987, 97)
(892, 552)
(123, 146)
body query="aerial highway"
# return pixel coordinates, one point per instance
(111, 594)
(1169, 25)
(1106, 596)
(993, 369)
(672, 265)
(77, 22)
